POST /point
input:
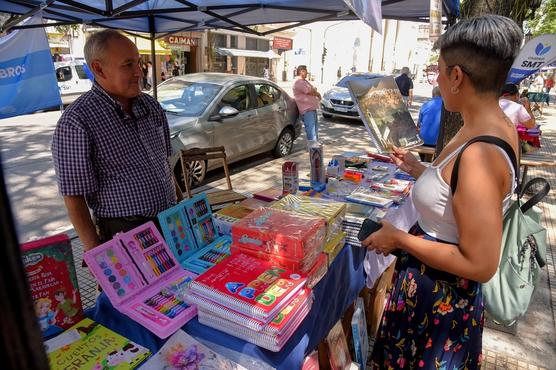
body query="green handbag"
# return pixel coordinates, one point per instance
(508, 293)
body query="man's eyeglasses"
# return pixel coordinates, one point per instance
(463, 68)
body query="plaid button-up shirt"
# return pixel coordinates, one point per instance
(119, 163)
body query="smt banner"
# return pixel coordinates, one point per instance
(537, 53)
(27, 79)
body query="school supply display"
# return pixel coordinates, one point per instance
(338, 351)
(290, 177)
(188, 226)
(208, 256)
(248, 286)
(254, 203)
(332, 211)
(182, 352)
(278, 232)
(508, 293)
(393, 186)
(142, 279)
(359, 331)
(227, 216)
(272, 336)
(91, 346)
(51, 274)
(384, 113)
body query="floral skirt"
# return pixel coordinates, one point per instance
(432, 319)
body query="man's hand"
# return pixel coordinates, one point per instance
(83, 224)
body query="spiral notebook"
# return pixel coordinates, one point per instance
(274, 335)
(248, 285)
(276, 326)
(142, 279)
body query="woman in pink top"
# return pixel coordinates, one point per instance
(307, 99)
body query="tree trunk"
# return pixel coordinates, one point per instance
(518, 10)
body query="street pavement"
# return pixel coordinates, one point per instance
(39, 211)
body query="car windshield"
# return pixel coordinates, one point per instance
(343, 82)
(186, 98)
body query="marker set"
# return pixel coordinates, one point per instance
(209, 256)
(141, 278)
(188, 227)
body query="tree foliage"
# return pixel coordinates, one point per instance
(544, 20)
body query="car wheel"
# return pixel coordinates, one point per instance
(284, 145)
(197, 171)
(326, 115)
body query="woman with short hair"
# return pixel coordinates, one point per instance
(434, 315)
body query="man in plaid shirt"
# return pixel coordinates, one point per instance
(111, 147)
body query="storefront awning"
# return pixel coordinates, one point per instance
(247, 53)
(144, 46)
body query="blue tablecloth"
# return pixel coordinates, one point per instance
(333, 294)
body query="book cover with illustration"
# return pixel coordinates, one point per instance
(338, 351)
(183, 352)
(89, 345)
(249, 286)
(51, 274)
(384, 113)
(359, 330)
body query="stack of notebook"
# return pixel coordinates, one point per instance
(252, 299)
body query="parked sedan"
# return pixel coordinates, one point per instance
(246, 115)
(337, 101)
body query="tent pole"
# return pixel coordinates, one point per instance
(153, 56)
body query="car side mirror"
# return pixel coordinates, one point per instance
(227, 111)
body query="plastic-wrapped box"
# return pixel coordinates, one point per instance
(318, 270)
(333, 212)
(302, 266)
(334, 246)
(279, 232)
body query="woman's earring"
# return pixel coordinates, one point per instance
(454, 90)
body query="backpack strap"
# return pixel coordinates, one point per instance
(486, 139)
(539, 195)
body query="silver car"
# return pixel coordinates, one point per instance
(337, 101)
(246, 115)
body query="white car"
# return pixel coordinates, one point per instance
(337, 101)
(72, 80)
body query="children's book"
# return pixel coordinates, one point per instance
(89, 345)
(183, 352)
(51, 274)
(384, 113)
(337, 348)
(369, 197)
(268, 195)
(143, 280)
(208, 256)
(359, 330)
(311, 361)
(250, 286)
(188, 226)
(279, 232)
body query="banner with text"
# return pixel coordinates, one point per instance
(537, 53)
(27, 79)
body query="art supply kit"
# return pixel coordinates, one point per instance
(142, 279)
(208, 256)
(224, 218)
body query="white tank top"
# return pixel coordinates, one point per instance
(432, 197)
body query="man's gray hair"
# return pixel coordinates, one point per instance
(97, 43)
(405, 71)
(492, 34)
(435, 91)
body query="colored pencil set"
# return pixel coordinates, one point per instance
(166, 303)
(159, 260)
(146, 239)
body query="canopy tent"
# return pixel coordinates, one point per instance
(162, 17)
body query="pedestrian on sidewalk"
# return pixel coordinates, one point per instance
(429, 120)
(307, 99)
(434, 315)
(405, 84)
(111, 147)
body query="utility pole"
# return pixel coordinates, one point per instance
(324, 51)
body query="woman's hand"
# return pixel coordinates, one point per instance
(383, 241)
(407, 162)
